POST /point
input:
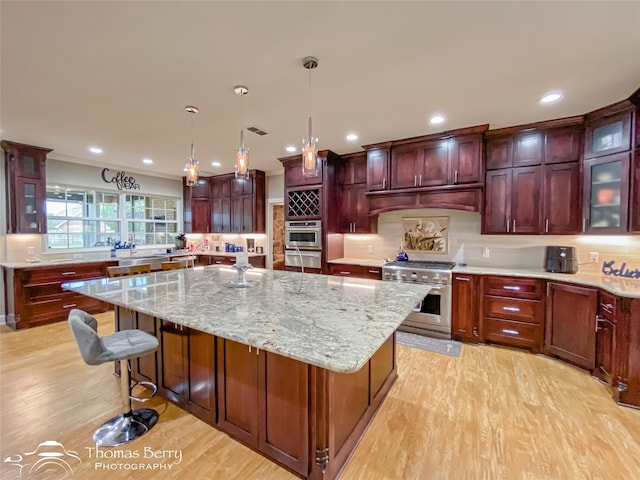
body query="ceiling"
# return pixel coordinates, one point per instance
(119, 74)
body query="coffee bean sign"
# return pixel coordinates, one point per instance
(121, 180)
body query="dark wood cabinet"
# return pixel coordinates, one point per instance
(465, 157)
(293, 176)
(634, 203)
(26, 187)
(561, 199)
(34, 295)
(570, 332)
(353, 205)
(627, 348)
(608, 130)
(513, 311)
(143, 368)
(519, 150)
(357, 271)
(378, 168)
(221, 214)
(187, 369)
(242, 214)
(512, 201)
(197, 206)
(200, 215)
(606, 338)
(606, 194)
(563, 145)
(465, 325)
(264, 401)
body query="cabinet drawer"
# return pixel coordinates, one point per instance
(607, 306)
(63, 273)
(515, 334)
(513, 287)
(374, 273)
(346, 270)
(530, 311)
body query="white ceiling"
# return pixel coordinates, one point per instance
(119, 74)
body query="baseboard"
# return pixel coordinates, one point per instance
(3, 319)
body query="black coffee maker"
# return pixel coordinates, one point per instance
(560, 259)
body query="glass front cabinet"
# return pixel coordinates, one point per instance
(606, 189)
(607, 135)
(26, 187)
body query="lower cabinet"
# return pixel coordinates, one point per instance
(627, 347)
(258, 261)
(358, 271)
(571, 324)
(187, 369)
(606, 338)
(264, 402)
(464, 309)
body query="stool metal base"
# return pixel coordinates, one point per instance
(125, 427)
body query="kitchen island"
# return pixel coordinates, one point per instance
(294, 366)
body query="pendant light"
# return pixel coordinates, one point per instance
(192, 164)
(242, 155)
(309, 144)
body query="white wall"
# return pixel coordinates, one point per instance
(275, 186)
(466, 244)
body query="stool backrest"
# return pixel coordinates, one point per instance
(175, 265)
(142, 268)
(85, 330)
(118, 271)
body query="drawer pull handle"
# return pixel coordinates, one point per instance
(68, 273)
(345, 273)
(374, 271)
(510, 331)
(511, 309)
(608, 306)
(511, 287)
(71, 305)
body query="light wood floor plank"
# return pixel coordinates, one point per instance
(493, 413)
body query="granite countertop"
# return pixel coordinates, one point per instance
(327, 321)
(624, 287)
(367, 262)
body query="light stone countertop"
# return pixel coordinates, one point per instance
(327, 321)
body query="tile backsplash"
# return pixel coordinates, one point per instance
(466, 245)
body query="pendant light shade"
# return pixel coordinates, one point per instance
(192, 164)
(309, 144)
(242, 152)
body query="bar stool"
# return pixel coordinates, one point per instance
(142, 268)
(114, 272)
(123, 346)
(174, 265)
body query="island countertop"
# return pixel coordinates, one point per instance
(328, 321)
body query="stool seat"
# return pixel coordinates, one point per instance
(121, 346)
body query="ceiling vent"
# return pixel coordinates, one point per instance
(257, 131)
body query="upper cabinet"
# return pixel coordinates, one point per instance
(609, 134)
(26, 187)
(532, 183)
(352, 203)
(378, 167)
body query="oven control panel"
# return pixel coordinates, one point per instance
(407, 275)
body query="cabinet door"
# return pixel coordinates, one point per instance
(570, 332)
(377, 169)
(242, 214)
(221, 214)
(283, 410)
(247, 214)
(464, 314)
(527, 149)
(605, 350)
(499, 153)
(346, 208)
(608, 135)
(405, 166)
(241, 186)
(497, 202)
(238, 384)
(606, 193)
(30, 206)
(563, 145)
(146, 367)
(220, 187)
(174, 377)
(200, 215)
(201, 364)
(201, 189)
(465, 158)
(561, 199)
(525, 200)
(362, 222)
(634, 203)
(433, 169)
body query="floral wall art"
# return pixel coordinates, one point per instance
(425, 234)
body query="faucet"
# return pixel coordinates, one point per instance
(194, 253)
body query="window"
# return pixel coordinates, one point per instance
(83, 218)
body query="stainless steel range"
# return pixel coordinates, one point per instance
(432, 316)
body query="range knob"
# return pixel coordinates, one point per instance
(403, 276)
(387, 274)
(414, 276)
(436, 278)
(425, 278)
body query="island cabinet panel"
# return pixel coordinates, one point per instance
(465, 325)
(349, 406)
(143, 368)
(570, 332)
(187, 369)
(605, 368)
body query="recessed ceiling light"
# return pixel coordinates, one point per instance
(436, 119)
(147, 161)
(95, 149)
(291, 149)
(352, 136)
(215, 164)
(551, 97)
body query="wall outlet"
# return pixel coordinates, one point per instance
(593, 256)
(370, 248)
(485, 252)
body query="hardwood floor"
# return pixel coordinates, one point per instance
(492, 413)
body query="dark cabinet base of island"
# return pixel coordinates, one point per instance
(306, 418)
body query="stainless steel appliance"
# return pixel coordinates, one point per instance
(303, 234)
(432, 316)
(303, 258)
(560, 259)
